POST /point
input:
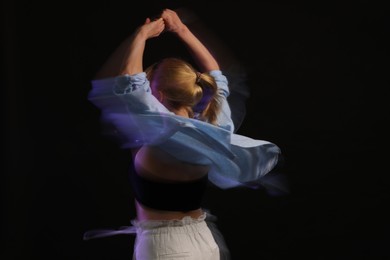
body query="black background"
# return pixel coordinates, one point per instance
(318, 77)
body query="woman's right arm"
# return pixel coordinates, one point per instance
(205, 60)
(198, 50)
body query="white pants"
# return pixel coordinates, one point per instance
(187, 238)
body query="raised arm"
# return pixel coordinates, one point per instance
(231, 66)
(128, 57)
(198, 50)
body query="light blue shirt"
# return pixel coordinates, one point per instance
(140, 119)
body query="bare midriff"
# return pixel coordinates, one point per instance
(154, 164)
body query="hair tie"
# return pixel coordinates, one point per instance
(198, 75)
(206, 98)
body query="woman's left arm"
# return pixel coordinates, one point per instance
(127, 58)
(132, 62)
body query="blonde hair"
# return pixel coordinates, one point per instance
(182, 86)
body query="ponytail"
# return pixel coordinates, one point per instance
(209, 106)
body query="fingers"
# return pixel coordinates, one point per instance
(168, 20)
(167, 10)
(153, 28)
(171, 19)
(168, 13)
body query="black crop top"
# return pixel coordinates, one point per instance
(178, 196)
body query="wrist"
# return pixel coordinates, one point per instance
(182, 31)
(141, 35)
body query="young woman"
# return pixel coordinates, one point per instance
(176, 120)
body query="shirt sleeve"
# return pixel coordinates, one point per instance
(125, 93)
(224, 118)
(135, 93)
